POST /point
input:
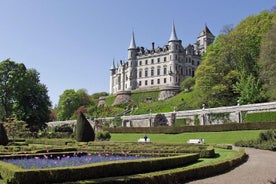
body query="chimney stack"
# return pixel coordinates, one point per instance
(152, 45)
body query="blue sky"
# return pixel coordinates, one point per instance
(72, 43)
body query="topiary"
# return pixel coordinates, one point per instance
(84, 131)
(3, 136)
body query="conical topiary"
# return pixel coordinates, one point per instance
(84, 131)
(3, 136)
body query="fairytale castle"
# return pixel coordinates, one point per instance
(161, 67)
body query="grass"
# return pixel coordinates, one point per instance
(229, 137)
(260, 117)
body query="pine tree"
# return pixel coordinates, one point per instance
(3, 136)
(84, 131)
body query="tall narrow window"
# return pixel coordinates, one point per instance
(152, 72)
(158, 71)
(165, 70)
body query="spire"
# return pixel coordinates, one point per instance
(132, 44)
(113, 65)
(173, 36)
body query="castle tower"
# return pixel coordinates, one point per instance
(131, 72)
(174, 48)
(111, 79)
(204, 39)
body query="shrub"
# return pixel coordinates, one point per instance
(103, 136)
(84, 131)
(160, 119)
(3, 136)
(64, 128)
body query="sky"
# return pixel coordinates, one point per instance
(72, 43)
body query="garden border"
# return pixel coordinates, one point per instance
(13, 174)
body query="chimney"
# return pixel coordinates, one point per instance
(152, 45)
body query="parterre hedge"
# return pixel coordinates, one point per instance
(13, 174)
(205, 128)
(177, 175)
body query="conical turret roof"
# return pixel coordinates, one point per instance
(132, 44)
(173, 36)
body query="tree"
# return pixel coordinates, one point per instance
(187, 84)
(231, 54)
(84, 131)
(249, 89)
(11, 76)
(22, 94)
(70, 101)
(267, 63)
(3, 136)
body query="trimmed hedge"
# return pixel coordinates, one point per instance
(13, 174)
(205, 128)
(179, 175)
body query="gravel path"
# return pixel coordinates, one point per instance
(259, 169)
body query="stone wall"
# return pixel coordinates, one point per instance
(232, 114)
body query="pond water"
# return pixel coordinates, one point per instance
(49, 161)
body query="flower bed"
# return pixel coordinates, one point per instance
(14, 174)
(52, 161)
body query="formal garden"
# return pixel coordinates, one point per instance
(79, 155)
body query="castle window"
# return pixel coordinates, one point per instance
(146, 62)
(198, 62)
(152, 61)
(158, 81)
(140, 83)
(146, 83)
(146, 72)
(140, 73)
(158, 60)
(165, 80)
(152, 82)
(140, 63)
(152, 71)
(165, 59)
(193, 62)
(165, 70)
(158, 71)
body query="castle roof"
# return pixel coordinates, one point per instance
(132, 44)
(173, 36)
(205, 31)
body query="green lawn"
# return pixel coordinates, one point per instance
(229, 137)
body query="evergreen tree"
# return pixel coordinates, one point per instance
(84, 131)
(3, 136)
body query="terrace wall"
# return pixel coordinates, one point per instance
(204, 115)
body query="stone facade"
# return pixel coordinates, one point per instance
(158, 67)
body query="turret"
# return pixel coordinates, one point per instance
(111, 80)
(132, 64)
(174, 48)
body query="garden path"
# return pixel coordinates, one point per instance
(259, 169)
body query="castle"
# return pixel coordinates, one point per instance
(159, 68)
